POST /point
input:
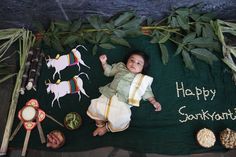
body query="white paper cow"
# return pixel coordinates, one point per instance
(61, 62)
(74, 85)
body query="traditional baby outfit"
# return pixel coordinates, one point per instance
(125, 91)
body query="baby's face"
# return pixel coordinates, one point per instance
(135, 64)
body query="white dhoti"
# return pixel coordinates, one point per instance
(116, 113)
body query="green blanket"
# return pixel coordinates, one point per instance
(191, 100)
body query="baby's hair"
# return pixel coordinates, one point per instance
(143, 55)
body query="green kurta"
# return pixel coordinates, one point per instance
(121, 82)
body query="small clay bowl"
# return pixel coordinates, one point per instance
(72, 121)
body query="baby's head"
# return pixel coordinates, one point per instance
(137, 62)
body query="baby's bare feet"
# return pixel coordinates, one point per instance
(100, 131)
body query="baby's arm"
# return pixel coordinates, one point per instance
(103, 60)
(156, 104)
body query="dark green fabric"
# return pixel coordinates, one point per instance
(149, 131)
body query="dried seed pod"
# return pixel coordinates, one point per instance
(206, 138)
(228, 138)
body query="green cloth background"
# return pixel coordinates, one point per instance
(149, 131)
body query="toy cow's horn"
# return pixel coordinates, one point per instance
(81, 46)
(46, 83)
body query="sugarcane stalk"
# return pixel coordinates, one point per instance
(33, 68)
(41, 56)
(26, 72)
(27, 41)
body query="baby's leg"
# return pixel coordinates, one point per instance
(101, 128)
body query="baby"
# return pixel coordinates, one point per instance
(111, 111)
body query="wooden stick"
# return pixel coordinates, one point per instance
(53, 119)
(16, 130)
(27, 136)
(41, 134)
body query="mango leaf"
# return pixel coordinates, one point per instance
(184, 12)
(63, 25)
(187, 60)
(75, 26)
(164, 38)
(183, 22)
(204, 55)
(57, 45)
(204, 42)
(95, 48)
(123, 18)
(195, 16)
(134, 23)
(120, 41)
(107, 46)
(179, 49)
(206, 17)
(188, 38)
(71, 39)
(38, 26)
(154, 40)
(98, 37)
(207, 31)
(95, 21)
(198, 28)
(164, 54)
(119, 33)
(174, 22)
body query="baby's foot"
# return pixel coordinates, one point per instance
(100, 131)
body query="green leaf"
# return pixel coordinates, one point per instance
(164, 54)
(71, 39)
(198, 28)
(187, 60)
(123, 18)
(63, 25)
(95, 48)
(184, 12)
(188, 38)
(203, 42)
(204, 55)
(119, 33)
(132, 24)
(95, 21)
(154, 40)
(179, 49)
(38, 26)
(120, 41)
(107, 46)
(75, 26)
(206, 17)
(57, 45)
(183, 23)
(174, 22)
(195, 16)
(164, 38)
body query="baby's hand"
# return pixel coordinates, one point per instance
(103, 59)
(157, 106)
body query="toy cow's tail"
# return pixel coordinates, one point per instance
(84, 74)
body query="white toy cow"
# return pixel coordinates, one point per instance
(60, 89)
(61, 62)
